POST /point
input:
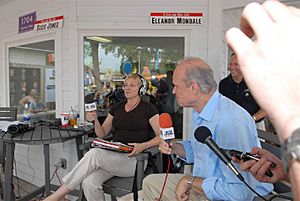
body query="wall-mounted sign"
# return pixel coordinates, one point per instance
(172, 18)
(49, 23)
(26, 22)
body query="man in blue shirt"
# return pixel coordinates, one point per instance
(231, 127)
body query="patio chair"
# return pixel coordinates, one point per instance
(120, 186)
(6, 114)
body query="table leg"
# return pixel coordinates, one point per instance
(79, 155)
(10, 148)
(79, 152)
(47, 170)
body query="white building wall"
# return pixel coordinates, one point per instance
(30, 159)
(106, 18)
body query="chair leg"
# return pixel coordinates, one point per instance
(113, 198)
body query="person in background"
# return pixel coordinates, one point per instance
(235, 88)
(37, 106)
(270, 65)
(131, 121)
(231, 127)
(29, 98)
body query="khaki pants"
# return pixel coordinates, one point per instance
(97, 166)
(152, 186)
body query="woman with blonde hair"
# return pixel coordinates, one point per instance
(131, 122)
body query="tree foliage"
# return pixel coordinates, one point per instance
(148, 56)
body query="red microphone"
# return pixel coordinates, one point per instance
(166, 129)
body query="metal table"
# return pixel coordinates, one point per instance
(40, 134)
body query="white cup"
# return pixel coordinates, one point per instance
(64, 119)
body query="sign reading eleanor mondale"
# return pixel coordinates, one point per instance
(171, 18)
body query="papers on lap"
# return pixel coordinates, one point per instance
(114, 146)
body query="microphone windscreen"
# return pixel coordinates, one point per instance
(202, 133)
(165, 120)
(89, 98)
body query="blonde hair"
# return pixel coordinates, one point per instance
(136, 77)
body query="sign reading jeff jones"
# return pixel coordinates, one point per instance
(171, 18)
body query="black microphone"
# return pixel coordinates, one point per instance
(203, 135)
(90, 102)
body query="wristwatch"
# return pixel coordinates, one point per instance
(290, 149)
(190, 181)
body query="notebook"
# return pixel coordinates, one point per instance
(113, 146)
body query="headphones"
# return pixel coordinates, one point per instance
(144, 87)
(18, 128)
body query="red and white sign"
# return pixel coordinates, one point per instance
(49, 23)
(172, 18)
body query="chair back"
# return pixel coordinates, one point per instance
(8, 113)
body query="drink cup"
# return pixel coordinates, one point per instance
(73, 120)
(64, 119)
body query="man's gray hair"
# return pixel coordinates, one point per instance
(199, 72)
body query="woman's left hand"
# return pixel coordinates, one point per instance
(138, 148)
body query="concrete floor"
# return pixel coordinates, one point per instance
(22, 188)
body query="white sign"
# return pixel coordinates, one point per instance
(171, 18)
(49, 24)
(50, 85)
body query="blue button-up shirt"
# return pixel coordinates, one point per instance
(232, 128)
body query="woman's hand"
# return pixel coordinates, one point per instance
(91, 116)
(138, 148)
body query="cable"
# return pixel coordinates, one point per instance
(279, 196)
(56, 168)
(60, 183)
(254, 191)
(166, 177)
(18, 184)
(33, 171)
(59, 180)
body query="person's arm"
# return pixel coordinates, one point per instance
(23, 101)
(260, 114)
(101, 131)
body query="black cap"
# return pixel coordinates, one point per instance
(89, 98)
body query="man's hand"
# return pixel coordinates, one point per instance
(260, 167)
(166, 148)
(182, 189)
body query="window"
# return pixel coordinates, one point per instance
(32, 78)
(107, 61)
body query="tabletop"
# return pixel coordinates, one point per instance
(45, 134)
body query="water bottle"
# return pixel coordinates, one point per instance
(26, 115)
